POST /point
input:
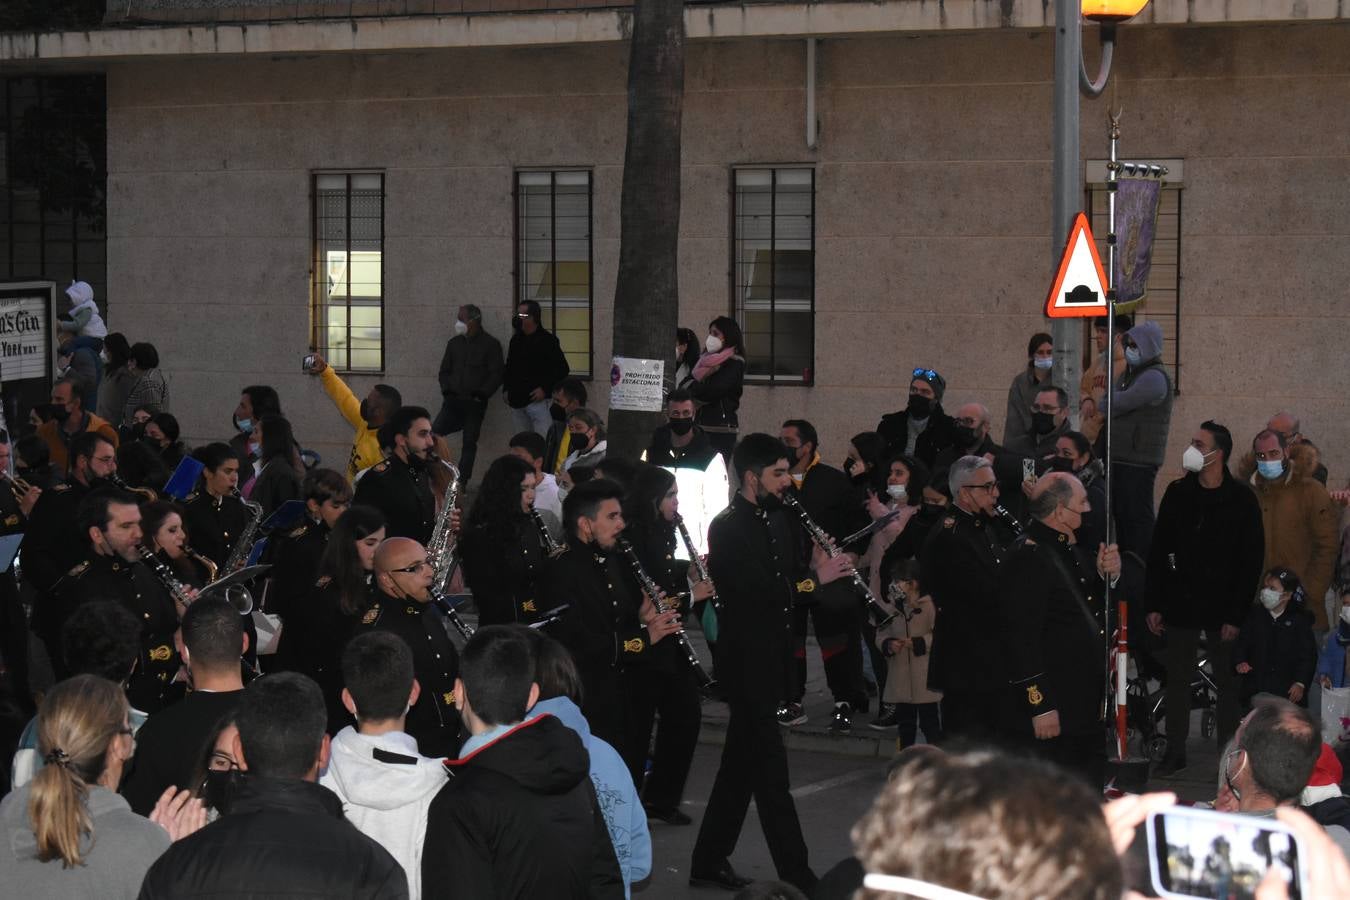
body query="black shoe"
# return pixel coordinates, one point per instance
(724, 877)
(669, 814)
(887, 715)
(1169, 766)
(842, 721)
(790, 714)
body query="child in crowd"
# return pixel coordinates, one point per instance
(905, 643)
(1275, 652)
(1333, 665)
(83, 321)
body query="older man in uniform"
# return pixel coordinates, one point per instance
(400, 485)
(404, 607)
(1054, 623)
(110, 520)
(960, 565)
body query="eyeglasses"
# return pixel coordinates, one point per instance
(103, 459)
(1228, 778)
(925, 374)
(412, 569)
(968, 422)
(1041, 408)
(990, 486)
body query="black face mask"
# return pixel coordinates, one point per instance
(581, 442)
(557, 413)
(1042, 423)
(515, 323)
(681, 427)
(929, 512)
(219, 787)
(849, 465)
(1061, 464)
(60, 414)
(919, 406)
(966, 437)
(365, 411)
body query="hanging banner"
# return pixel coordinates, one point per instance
(1135, 227)
(637, 384)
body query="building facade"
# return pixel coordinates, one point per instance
(349, 182)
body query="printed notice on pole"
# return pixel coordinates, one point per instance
(637, 384)
(23, 336)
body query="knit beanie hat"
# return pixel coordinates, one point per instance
(935, 381)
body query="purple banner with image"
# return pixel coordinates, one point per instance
(1135, 226)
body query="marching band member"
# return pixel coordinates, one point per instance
(502, 549)
(294, 555)
(399, 485)
(214, 514)
(166, 536)
(609, 624)
(666, 685)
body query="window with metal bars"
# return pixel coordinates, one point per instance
(1162, 303)
(773, 271)
(554, 256)
(348, 270)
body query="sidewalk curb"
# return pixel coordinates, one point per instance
(869, 745)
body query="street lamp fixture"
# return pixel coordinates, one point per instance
(1108, 14)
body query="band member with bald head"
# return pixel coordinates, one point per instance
(403, 605)
(1055, 627)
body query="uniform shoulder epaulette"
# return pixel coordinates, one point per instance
(380, 467)
(949, 522)
(298, 532)
(372, 615)
(61, 487)
(324, 581)
(78, 570)
(190, 497)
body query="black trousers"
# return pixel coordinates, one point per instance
(669, 700)
(603, 706)
(462, 414)
(923, 715)
(1179, 654)
(754, 764)
(1132, 502)
(971, 717)
(839, 635)
(14, 641)
(1080, 752)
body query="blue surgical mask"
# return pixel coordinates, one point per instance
(1270, 468)
(1133, 356)
(244, 425)
(1044, 362)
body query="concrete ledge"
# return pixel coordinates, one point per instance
(730, 21)
(863, 742)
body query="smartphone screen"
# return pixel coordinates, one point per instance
(1204, 854)
(307, 364)
(1028, 470)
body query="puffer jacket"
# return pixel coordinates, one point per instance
(1300, 522)
(281, 838)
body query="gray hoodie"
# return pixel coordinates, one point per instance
(115, 861)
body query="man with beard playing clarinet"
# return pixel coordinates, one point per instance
(755, 559)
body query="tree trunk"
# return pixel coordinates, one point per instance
(647, 295)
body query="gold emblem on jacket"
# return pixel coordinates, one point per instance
(160, 653)
(632, 645)
(1034, 695)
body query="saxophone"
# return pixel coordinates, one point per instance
(441, 547)
(244, 544)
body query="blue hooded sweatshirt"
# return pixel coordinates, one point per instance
(624, 815)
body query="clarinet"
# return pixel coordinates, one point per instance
(552, 547)
(1008, 519)
(176, 588)
(658, 596)
(464, 628)
(699, 565)
(880, 617)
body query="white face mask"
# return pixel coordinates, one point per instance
(896, 491)
(1193, 460)
(460, 327)
(1270, 598)
(1345, 614)
(1044, 362)
(713, 344)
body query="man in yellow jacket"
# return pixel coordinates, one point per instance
(366, 416)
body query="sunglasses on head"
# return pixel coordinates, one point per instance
(925, 374)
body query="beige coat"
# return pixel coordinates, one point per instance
(906, 673)
(1301, 524)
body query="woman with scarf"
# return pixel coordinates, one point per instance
(718, 380)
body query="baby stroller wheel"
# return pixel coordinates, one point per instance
(1156, 747)
(1207, 720)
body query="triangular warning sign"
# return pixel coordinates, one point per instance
(1080, 285)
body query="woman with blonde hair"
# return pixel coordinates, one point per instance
(67, 833)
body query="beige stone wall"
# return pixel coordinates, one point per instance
(933, 209)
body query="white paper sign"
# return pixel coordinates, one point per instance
(637, 384)
(23, 337)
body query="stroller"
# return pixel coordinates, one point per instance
(1148, 711)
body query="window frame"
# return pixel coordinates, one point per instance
(517, 250)
(319, 329)
(734, 288)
